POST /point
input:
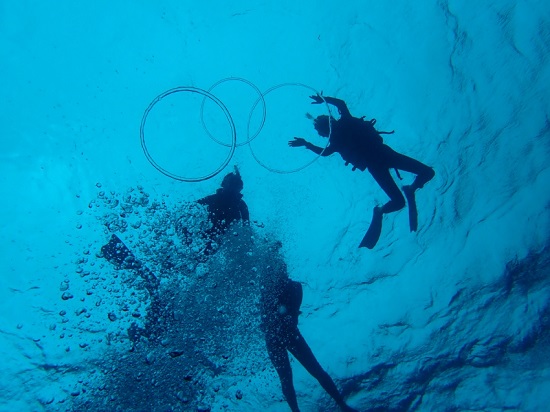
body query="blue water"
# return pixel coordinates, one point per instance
(454, 316)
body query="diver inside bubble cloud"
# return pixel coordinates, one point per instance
(225, 207)
(281, 298)
(362, 146)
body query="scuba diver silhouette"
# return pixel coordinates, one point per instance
(227, 204)
(224, 207)
(280, 303)
(361, 145)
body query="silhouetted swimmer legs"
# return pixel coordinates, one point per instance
(279, 358)
(423, 172)
(381, 173)
(302, 352)
(423, 175)
(397, 201)
(387, 184)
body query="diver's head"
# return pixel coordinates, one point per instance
(233, 181)
(322, 125)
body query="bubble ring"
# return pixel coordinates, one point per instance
(206, 95)
(271, 169)
(240, 79)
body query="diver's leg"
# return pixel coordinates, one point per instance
(386, 182)
(382, 176)
(116, 252)
(301, 351)
(279, 358)
(423, 175)
(423, 172)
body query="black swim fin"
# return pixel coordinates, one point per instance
(413, 212)
(375, 228)
(116, 252)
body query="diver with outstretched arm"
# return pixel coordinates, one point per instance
(362, 146)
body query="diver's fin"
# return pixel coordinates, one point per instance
(116, 252)
(375, 228)
(413, 212)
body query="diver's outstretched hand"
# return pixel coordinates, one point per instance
(297, 142)
(317, 99)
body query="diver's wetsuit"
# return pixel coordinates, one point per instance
(280, 310)
(224, 207)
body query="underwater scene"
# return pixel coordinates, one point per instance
(275, 206)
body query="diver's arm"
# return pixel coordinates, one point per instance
(319, 150)
(298, 142)
(206, 201)
(338, 103)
